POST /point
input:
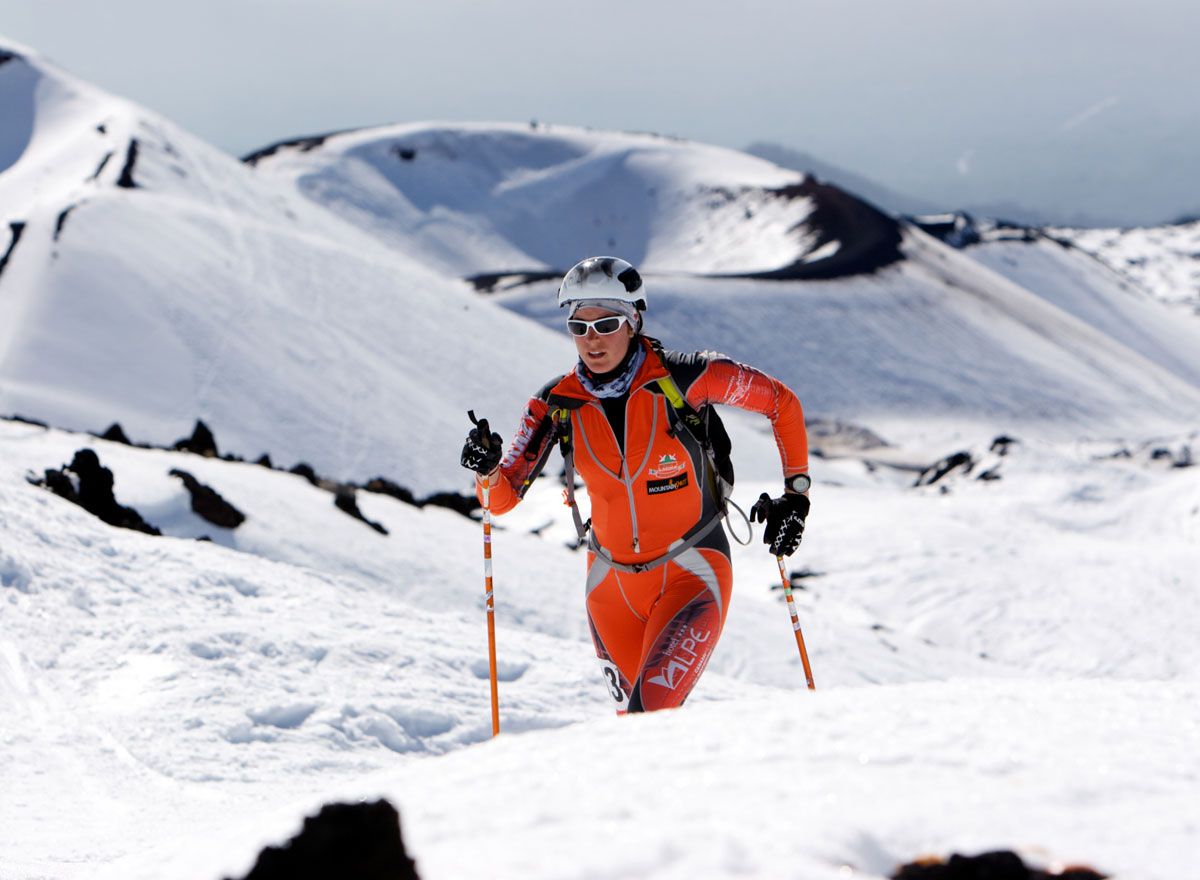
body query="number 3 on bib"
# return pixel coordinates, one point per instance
(612, 678)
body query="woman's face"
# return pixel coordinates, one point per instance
(601, 353)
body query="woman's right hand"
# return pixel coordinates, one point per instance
(482, 450)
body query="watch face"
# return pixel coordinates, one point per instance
(799, 483)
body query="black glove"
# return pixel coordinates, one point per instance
(481, 453)
(784, 517)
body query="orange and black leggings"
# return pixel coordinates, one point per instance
(655, 630)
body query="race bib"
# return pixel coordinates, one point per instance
(612, 680)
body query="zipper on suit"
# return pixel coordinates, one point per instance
(626, 476)
(637, 548)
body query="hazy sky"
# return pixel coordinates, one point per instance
(1067, 107)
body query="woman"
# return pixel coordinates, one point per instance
(636, 421)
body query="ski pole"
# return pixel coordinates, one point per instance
(491, 606)
(489, 597)
(787, 591)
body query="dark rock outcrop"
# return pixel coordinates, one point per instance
(999, 865)
(956, 229)
(303, 469)
(115, 434)
(202, 441)
(487, 282)
(839, 435)
(302, 144)
(217, 511)
(869, 239)
(345, 501)
(61, 221)
(464, 504)
(938, 470)
(126, 181)
(384, 486)
(361, 841)
(92, 489)
(100, 167)
(1002, 445)
(17, 227)
(208, 504)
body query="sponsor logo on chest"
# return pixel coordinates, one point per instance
(658, 487)
(668, 466)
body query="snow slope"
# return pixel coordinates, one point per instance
(205, 292)
(939, 344)
(1079, 284)
(839, 784)
(172, 705)
(1163, 260)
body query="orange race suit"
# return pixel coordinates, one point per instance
(659, 573)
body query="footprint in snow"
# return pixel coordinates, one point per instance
(15, 574)
(284, 717)
(505, 670)
(421, 723)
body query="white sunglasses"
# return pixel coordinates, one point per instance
(603, 326)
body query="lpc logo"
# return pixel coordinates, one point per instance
(682, 659)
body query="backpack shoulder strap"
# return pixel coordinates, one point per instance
(703, 425)
(684, 412)
(561, 408)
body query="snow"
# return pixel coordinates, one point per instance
(1004, 663)
(1082, 286)
(1163, 260)
(964, 645)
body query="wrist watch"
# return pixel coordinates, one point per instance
(798, 483)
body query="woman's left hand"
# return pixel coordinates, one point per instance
(784, 517)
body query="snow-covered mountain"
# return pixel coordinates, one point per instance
(157, 280)
(512, 205)
(493, 201)
(305, 304)
(1003, 655)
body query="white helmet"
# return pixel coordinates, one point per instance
(609, 278)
